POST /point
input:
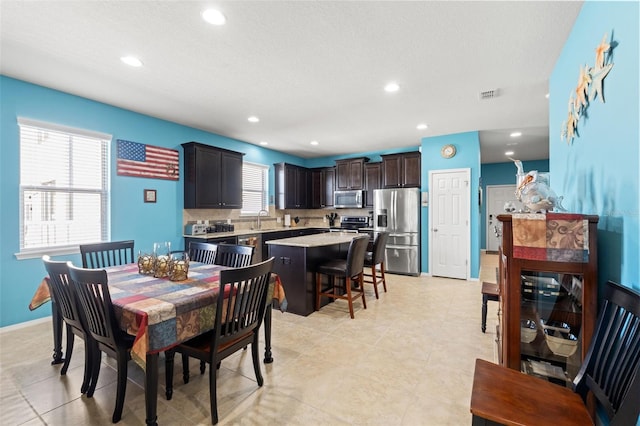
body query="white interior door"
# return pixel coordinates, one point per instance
(449, 223)
(497, 196)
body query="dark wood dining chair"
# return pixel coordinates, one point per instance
(92, 289)
(102, 255)
(242, 300)
(63, 294)
(609, 373)
(375, 260)
(341, 273)
(202, 252)
(234, 255)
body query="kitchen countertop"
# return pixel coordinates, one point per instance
(316, 240)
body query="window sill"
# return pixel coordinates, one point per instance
(39, 252)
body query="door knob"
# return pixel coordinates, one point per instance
(435, 229)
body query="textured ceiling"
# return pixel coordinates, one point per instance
(309, 70)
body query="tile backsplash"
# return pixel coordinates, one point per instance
(311, 217)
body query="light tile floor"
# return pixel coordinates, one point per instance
(407, 359)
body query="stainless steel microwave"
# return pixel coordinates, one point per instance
(351, 199)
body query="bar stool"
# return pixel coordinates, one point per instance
(374, 260)
(346, 270)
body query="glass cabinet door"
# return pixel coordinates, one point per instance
(550, 325)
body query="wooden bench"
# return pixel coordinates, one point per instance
(490, 291)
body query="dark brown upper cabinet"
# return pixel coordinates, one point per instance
(401, 170)
(372, 180)
(322, 187)
(292, 186)
(350, 173)
(213, 177)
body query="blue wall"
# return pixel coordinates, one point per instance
(129, 215)
(467, 157)
(503, 174)
(599, 172)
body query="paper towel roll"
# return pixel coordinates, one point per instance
(287, 220)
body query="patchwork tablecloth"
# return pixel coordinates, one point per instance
(159, 312)
(557, 237)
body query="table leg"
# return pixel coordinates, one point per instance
(56, 319)
(151, 389)
(268, 359)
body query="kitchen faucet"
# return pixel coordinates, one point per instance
(259, 213)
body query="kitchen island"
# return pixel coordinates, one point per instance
(296, 260)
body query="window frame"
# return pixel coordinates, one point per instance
(265, 188)
(103, 191)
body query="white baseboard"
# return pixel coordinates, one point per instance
(25, 324)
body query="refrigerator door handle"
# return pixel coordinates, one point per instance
(394, 206)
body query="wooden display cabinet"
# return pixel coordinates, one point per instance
(544, 303)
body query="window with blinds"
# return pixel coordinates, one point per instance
(64, 191)
(255, 188)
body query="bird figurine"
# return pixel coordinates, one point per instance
(536, 195)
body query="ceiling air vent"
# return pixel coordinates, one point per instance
(488, 94)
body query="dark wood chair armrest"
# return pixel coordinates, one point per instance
(509, 397)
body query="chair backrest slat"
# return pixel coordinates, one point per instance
(202, 252)
(102, 255)
(611, 369)
(233, 255)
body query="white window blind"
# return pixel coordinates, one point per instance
(64, 175)
(255, 188)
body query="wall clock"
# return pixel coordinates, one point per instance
(448, 151)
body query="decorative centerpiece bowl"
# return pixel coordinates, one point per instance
(145, 263)
(179, 266)
(161, 253)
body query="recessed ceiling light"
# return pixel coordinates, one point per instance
(391, 87)
(508, 153)
(214, 17)
(516, 134)
(421, 126)
(253, 119)
(546, 96)
(314, 142)
(264, 143)
(132, 61)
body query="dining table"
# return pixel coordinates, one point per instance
(162, 314)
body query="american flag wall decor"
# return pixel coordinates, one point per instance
(148, 161)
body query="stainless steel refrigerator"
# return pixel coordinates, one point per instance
(397, 211)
